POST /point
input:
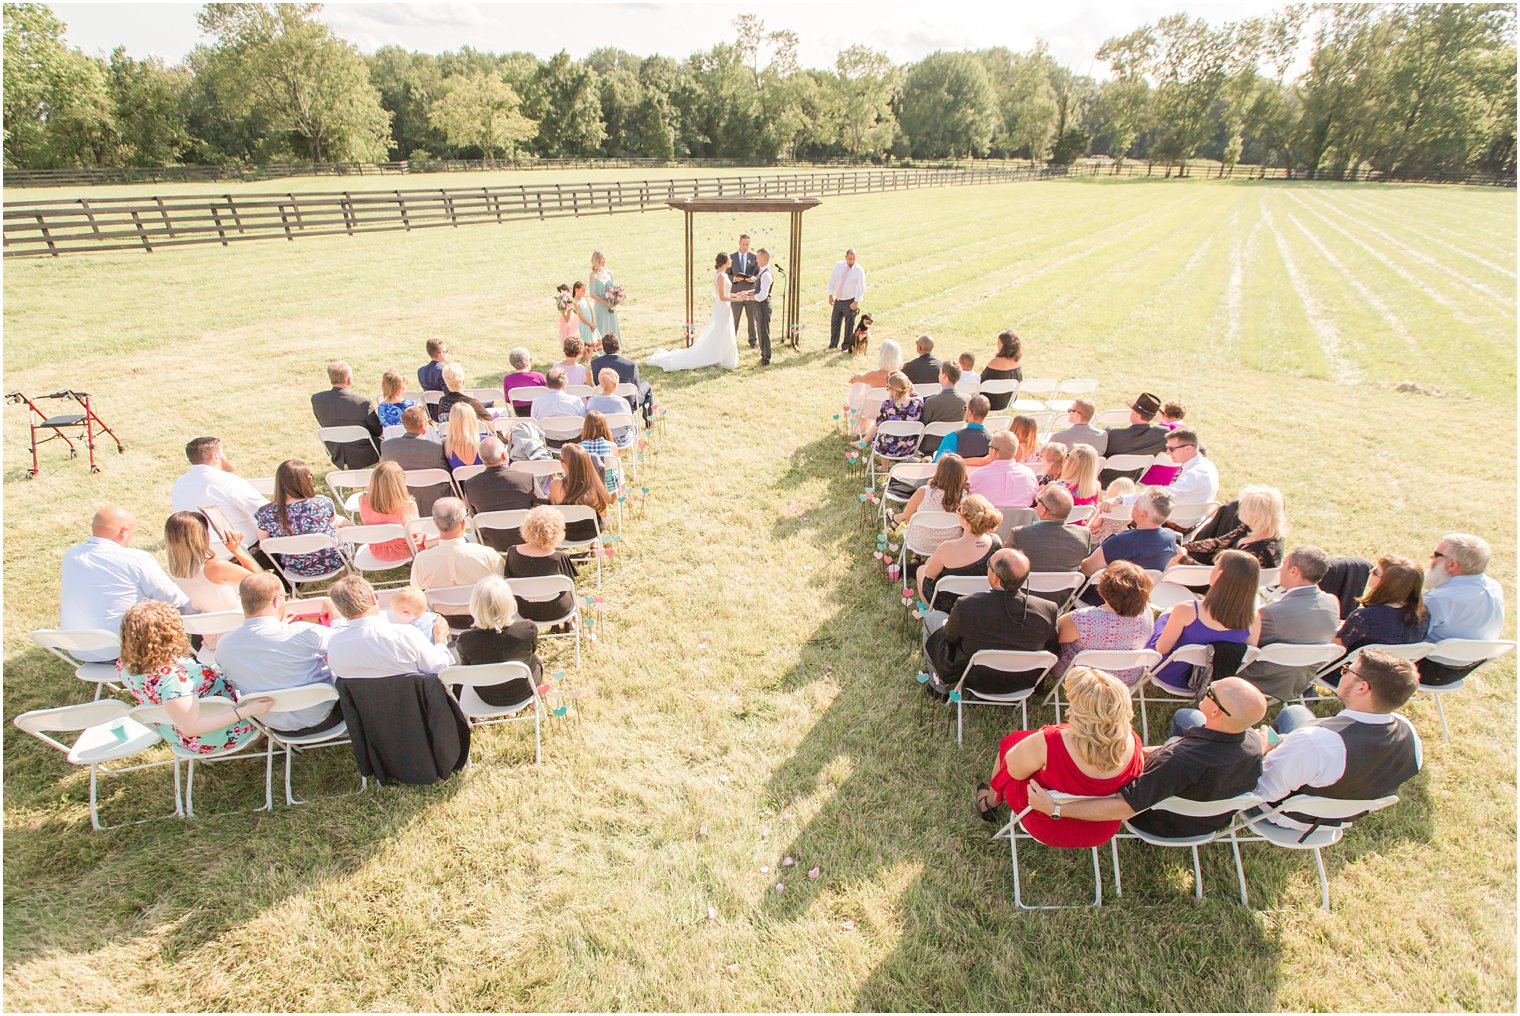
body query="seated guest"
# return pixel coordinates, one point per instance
(462, 443)
(1052, 462)
(1080, 475)
(575, 371)
(1027, 432)
(453, 380)
(157, 667)
(1159, 476)
(943, 493)
(968, 368)
(902, 404)
(268, 653)
(606, 403)
(1263, 521)
(557, 403)
(409, 606)
(596, 438)
(967, 554)
(1048, 542)
(454, 561)
(430, 374)
(1197, 481)
(1118, 494)
(971, 441)
(1150, 544)
(1121, 622)
(521, 377)
(888, 361)
(1005, 616)
(499, 636)
(1141, 437)
(387, 501)
(1391, 613)
(582, 484)
(539, 555)
(210, 583)
(945, 406)
(923, 369)
(393, 400)
(1463, 602)
(298, 510)
(1303, 615)
(103, 576)
(1081, 430)
(1003, 481)
(1226, 614)
(1364, 752)
(341, 406)
(1005, 366)
(1093, 754)
(371, 646)
(415, 449)
(498, 488)
(1214, 755)
(627, 373)
(212, 481)
(1172, 413)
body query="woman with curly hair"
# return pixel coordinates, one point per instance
(158, 668)
(1005, 366)
(538, 555)
(1094, 753)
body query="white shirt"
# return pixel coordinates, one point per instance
(762, 285)
(267, 654)
(1315, 756)
(1198, 483)
(1465, 607)
(557, 403)
(847, 283)
(373, 647)
(231, 493)
(101, 579)
(455, 562)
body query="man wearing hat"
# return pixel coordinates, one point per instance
(1141, 437)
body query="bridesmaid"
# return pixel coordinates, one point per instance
(600, 282)
(585, 316)
(567, 321)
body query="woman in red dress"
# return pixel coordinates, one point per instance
(1093, 754)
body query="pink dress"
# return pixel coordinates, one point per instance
(1103, 629)
(568, 326)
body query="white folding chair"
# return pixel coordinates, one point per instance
(546, 589)
(451, 601)
(958, 586)
(967, 387)
(1067, 391)
(1127, 463)
(526, 394)
(1316, 839)
(914, 474)
(1058, 587)
(278, 547)
(894, 428)
(1032, 394)
(1191, 809)
(1000, 386)
(426, 528)
(1014, 830)
(1009, 661)
(505, 425)
(487, 397)
(1110, 661)
(264, 485)
(65, 643)
(498, 522)
(347, 435)
(1013, 518)
(287, 700)
(106, 734)
(564, 429)
(424, 486)
(364, 538)
(538, 468)
(1459, 653)
(346, 486)
(869, 407)
(1175, 582)
(480, 713)
(1300, 656)
(149, 715)
(1191, 516)
(940, 430)
(431, 398)
(924, 389)
(392, 430)
(1081, 513)
(993, 424)
(1411, 651)
(573, 513)
(925, 520)
(1195, 655)
(463, 473)
(626, 390)
(208, 626)
(1111, 418)
(414, 395)
(580, 391)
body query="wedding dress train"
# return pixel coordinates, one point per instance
(717, 344)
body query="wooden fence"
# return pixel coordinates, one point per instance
(135, 223)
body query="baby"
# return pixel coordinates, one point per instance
(1172, 414)
(1121, 491)
(409, 606)
(968, 361)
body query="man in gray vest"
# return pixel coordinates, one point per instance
(1365, 751)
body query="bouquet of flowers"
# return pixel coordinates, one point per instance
(614, 296)
(562, 301)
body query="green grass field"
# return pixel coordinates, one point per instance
(753, 673)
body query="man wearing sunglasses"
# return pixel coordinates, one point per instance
(1463, 602)
(1213, 755)
(1365, 751)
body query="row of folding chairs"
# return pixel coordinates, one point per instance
(1031, 395)
(918, 431)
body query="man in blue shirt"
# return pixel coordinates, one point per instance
(970, 442)
(1150, 544)
(1463, 603)
(268, 653)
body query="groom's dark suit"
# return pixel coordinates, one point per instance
(743, 263)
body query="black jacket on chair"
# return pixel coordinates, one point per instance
(405, 729)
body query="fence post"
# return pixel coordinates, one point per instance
(448, 206)
(42, 225)
(401, 204)
(237, 217)
(217, 217)
(85, 204)
(142, 234)
(348, 217)
(165, 216)
(285, 221)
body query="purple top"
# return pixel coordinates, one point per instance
(1175, 675)
(521, 379)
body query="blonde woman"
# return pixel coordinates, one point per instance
(210, 583)
(1028, 432)
(888, 361)
(1094, 753)
(1263, 525)
(1080, 475)
(967, 554)
(463, 440)
(388, 501)
(392, 399)
(596, 291)
(539, 555)
(499, 635)
(1052, 462)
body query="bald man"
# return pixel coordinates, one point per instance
(1213, 755)
(103, 576)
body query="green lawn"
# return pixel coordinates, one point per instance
(753, 672)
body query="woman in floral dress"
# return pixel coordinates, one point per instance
(297, 510)
(902, 404)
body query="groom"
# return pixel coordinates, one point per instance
(759, 304)
(741, 271)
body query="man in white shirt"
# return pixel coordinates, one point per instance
(454, 562)
(103, 576)
(371, 646)
(760, 307)
(268, 653)
(1463, 602)
(211, 481)
(1198, 483)
(555, 402)
(847, 287)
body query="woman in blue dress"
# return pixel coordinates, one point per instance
(600, 282)
(584, 312)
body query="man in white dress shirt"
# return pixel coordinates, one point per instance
(103, 576)
(211, 480)
(555, 402)
(268, 653)
(371, 646)
(760, 307)
(1198, 482)
(847, 287)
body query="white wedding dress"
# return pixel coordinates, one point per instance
(715, 345)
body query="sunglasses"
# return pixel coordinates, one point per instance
(1346, 672)
(1176, 447)
(1437, 553)
(1209, 694)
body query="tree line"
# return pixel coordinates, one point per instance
(1401, 89)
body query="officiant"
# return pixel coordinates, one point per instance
(743, 269)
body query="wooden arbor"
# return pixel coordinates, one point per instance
(792, 268)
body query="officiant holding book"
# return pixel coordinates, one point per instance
(743, 268)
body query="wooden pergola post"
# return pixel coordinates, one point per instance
(793, 268)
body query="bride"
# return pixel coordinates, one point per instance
(717, 343)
